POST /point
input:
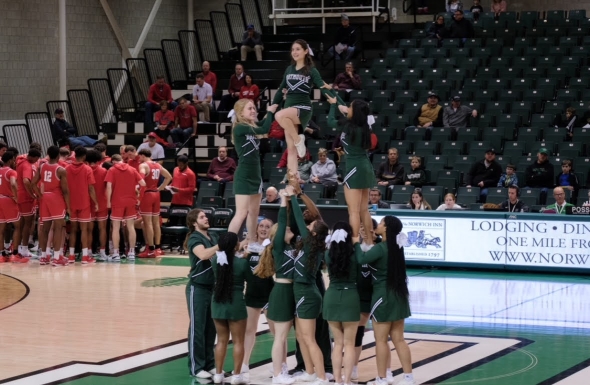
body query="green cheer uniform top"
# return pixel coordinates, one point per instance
(341, 301)
(248, 174)
(257, 289)
(386, 305)
(358, 172)
(201, 273)
(236, 309)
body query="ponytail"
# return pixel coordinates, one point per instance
(266, 264)
(191, 219)
(397, 279)
(223, 290)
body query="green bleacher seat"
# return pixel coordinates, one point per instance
(553, 108)
(327, 202)
(494, 136)
(402, 63)
(401, 194)
(570, 150)
(429, 43)
(497, 195)
(541, 120)
(484, 95)
(484, 121)
(421, 85)
(567, 95)
(210, 201)
(522, 108)
(468, 195)
(313, 195)
(468, 134)
(403, 147)
(395, 85)
(277, 175)
(496, 108)
(479, 148)
(416, 53)
(359, 94)
(415, 134)
(407, 43)
(438, 53)
(394, 53)
(509, 120)
(530, 132)
(503, 160)
(425, 148)
(512, 52)
(453, 147)
(577, 14)
(441, 134)
(532, 194)
(514, 149)
(451, 43)
(406, 96)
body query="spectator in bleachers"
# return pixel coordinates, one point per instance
(484, 174)
(567, 179)
(560, 205)
(417, 201)
(587, 125)
(375, 199)
(461, 28)
(454, 5)
(185, 121)
(62, 129)
(304, 168)
(416, 177)
(155, 148)
(457, 115)
(438, 29)
(251, 41)
(540, 174)
(570, 122)
(429, 114)
(344, 41)
(450, 203)
(283, 161)
(250, 90)
(272, 196)
(391, 172)
(498, 6)
(222, 168)
(184, 183)
(159, 91)
(509, 178)
(203, 97)
(347, 80)
(476, 9)
(513, 204)
(236, 82)
(324, 170)
(210, 77)
(164, 120)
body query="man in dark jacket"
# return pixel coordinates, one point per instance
(460, 27)
(344, 41)
(251, 41)
(390, 172)
(485, 173)
(62, 129)
(540, 174)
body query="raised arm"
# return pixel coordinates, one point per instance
(278, 242)
(369, 257)
(298, 214)
(278, 98)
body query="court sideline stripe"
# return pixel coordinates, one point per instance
(563, 376)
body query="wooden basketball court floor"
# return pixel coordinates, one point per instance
(127, 324)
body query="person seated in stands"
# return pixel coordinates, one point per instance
(429, 114)
(570, 122)
(344, 40)
(461, 28)
(222, 168)
(559, 207)
(513, 204)
(251, 41)
(304, 167)
(62, 129)
(454, 5)
(457, 115)
(438, 29)
(450, 203)
(417, 177)
(509, 178)
(185, 122)
(498, 6)
(236, 82)
(484, 173)
(566, 179)
(184, 183)
(250, 90)
(375, 199)
(324, 170)
(476, 9)
(210, 77)
(164, 120)
(155, 148)
(417, 201)
(159, 91)
(347, 80)
(283, 161)
(587, 125)
(540, 174)
(203, 97)
(102, 148)
(272, 196)
(390, 172)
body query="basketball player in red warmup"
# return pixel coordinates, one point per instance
(81, 182)
(8, 205)
(94, 159)
(25, 170)
(184, 183)
(51, 185)
(131, 157)
(149, 207)
(121, 199)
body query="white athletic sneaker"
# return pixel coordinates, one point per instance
(101, 257)
(283, 379)
(285, 369)
(355, 373)
(406, 382)
(238, 379)
(301, 150)
(305, 377)
(329, 376)
(378, 381)
(130, 257)
(202, 373)
(321, 382)
(218, 378)
(117, 258)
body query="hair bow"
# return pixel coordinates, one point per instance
(221, 258)
(402, 240)
(310, 51)
(232, 116)
(266, 242)
(337, 236)
(370, 120)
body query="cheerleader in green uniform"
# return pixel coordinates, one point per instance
(359, 175)
(341, 307)
(277, 259)
(228, 308)
(308, 255)
(248, 174)
(257, 290)
(298, 80)
(389, 304)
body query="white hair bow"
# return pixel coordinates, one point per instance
(221, 258)
(337, 236)
(310, 51)
(401, 240)
(370, 120)
(232, 116)
(266, 242)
